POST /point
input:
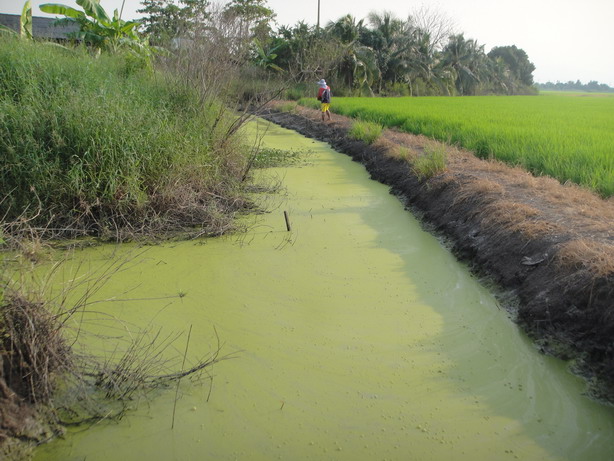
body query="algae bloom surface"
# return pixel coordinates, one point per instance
(356, 336)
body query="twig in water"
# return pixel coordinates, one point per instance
(179, 380)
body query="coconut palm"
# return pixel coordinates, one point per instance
(357, 67)
(346, 29)
(394, 43)
(306, 52)
(468, 62)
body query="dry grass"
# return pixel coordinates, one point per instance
(395, 151)
(478, 190)
(505, 216)
(33, 348)
(594, 256)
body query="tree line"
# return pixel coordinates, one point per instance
(421, 54)
(592, 87)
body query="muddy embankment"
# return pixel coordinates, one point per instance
(550, 245)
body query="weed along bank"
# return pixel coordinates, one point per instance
(354, 335)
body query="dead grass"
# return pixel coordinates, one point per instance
(594, 256)
(34, 350)
(478, 190)
(395, 151)
(505, 216)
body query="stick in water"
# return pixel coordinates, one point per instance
(179, 380)
(288, 228)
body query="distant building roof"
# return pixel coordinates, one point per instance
(41, 27)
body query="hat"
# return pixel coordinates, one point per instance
(322, 83)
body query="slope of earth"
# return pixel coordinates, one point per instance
(550, 245)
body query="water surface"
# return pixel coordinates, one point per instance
(357, 336)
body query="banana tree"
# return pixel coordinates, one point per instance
(265, 57)
(25, 23)
(98, 29)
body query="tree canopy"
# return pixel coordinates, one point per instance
(421, 54)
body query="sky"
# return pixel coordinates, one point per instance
(565, 39)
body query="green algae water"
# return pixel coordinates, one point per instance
(355, 336)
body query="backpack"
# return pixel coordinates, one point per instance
(325, 98)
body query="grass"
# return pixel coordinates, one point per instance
(566, 136)
(432, 162)
(367, 132)
(99, 145)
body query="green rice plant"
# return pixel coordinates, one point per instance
(566, 136)
(433, 162)
(367, 132)
(313, 103)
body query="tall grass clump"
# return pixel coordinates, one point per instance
(98, 145)
(368, 132)
(566, 136)
(431, 163)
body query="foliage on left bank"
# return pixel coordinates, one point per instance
(104, 146)
(112, 144)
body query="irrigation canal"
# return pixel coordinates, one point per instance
(356, 336)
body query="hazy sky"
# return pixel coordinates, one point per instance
(565, 39)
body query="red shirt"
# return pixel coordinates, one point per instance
(322, 91)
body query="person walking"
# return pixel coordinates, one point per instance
(324, 98)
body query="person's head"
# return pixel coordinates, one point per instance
(322, 83)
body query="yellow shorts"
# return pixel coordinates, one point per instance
(325, 106)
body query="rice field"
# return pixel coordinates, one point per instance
(569, 136)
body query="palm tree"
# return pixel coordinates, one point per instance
(468, 62)
(387, 39)
(346, 29)
(305, 52)
(357, 67)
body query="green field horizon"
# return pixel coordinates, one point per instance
(567, 136)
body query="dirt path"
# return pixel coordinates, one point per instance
(549, 244)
